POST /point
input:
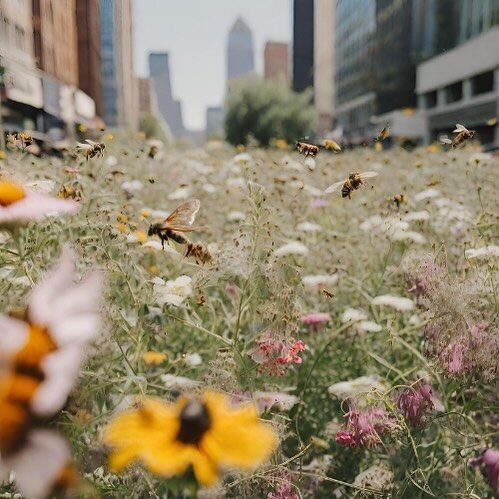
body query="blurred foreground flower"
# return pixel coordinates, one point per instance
(489, 466)
(19, 206)
(208, 434)
(40, 358)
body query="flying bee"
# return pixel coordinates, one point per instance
(353, 182)
(397, 200)
(329, 294)
(199, 251)
(178, 221)
(383, 134)
(91, 148)
(307, 149)
(21, 140)
(463, 135)
(70, 191)
(331, 145)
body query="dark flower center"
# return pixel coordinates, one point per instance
(194, 422)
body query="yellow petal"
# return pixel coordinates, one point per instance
(205, 470)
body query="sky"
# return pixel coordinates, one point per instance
(195, 32)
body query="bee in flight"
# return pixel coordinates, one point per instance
(463, 135)
(397, 200)
(307, 149)
(178, 222)
(91, 148)
(383, 134)
(352, 183)
(331, 145)
(21, 140)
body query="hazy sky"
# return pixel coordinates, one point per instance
(195, 32)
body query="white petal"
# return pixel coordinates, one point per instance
(13, 335)
(183, 280)
(80, 328)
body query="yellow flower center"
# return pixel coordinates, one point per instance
(10, 193)
(194, 423)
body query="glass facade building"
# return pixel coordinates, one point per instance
(108, 58)
(303, 44)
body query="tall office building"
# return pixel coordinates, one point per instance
(275, 61)
(89, 50)
(56, 45)
(120, 92)
(240, 56)
(303, 44)
(170, 109)
(324, 62)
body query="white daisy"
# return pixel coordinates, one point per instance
(364, 384)
(172, 292)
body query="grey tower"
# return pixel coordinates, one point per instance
(240, 57)
(171, 110)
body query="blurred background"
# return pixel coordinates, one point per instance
(196, 69)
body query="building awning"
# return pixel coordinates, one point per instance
(23, 85)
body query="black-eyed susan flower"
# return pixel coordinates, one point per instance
(19, 206)
(208, 434)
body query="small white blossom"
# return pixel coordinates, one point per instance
(426, 194)
(172, 292)
(408, 235)
(132, 186)
(193, 359)
(318, 281)
(485, 252)
(369, 326)
(396, 302)
(292, 248)
(308, 227)
(242, 158)
(416, 216)
(353, 315)
(364, 384)
(236, 216)
(266, 400)
(181, 193)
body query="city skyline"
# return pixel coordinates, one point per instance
(198, 48)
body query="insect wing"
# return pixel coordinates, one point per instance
(334, 186)
(83, 147)
(445, 140)
(184, 214)
(460, 128)
(368, 174)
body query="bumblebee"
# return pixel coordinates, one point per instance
(352, 183)
(307, 149)
(383, 134)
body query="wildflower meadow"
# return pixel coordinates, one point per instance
(276, 341)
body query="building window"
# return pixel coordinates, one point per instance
(20, 38)
(430, 100)
(454, 92)
(482, 83)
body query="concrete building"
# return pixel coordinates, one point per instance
(467, 92)
(275, 61)
(89, 51)
(240, 55)
(170, 109)
(22, 93)
(303, 44)
(56, 45)
(120, 93)
(215, 118)
(324, 62)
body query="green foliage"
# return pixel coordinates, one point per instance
(151, 126)
(266, 110)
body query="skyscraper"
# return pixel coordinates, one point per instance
(120, 91)
(170, 109)
(240, 57)
(276, 61)
(303, 44)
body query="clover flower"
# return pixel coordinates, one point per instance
(209, 434)
(315, 320)
(414, 402)
(488, 462)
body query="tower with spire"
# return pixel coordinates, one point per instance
(240, 54)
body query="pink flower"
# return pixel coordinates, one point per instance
(19, 206)
(315, 319)
(414, 402)
(319, 203)
(273, 353)
(284, 488)
(489, 466)
(424, 278)
(365, 427)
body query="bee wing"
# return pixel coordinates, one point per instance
(460, 128)
(445, 140)
(334, 186)
(91, 142)
(368, 174)
(184, 214)
(83, 147)
(184, 228)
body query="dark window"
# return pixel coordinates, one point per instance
(430, 99)
(482, 83)
(454, 92)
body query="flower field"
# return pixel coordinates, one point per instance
(297, 345)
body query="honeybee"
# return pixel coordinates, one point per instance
(397, 200)
(463, 135)
(70, 191)
(91, 148)
(199, 251)
(178, 221)
(383, 134)
(352, 183)
(307, 149)
(331, 145)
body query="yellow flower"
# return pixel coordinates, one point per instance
(82, 128)
(121, 218)
(153, 358)
(378, 147)
(241, 148)
(208, 434)
(108, 137)
(141, 236)
(281, 144)
(122, 228)
(152, 269)
(10, 193)
(145, 213)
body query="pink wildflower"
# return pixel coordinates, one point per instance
(414, 402)
(315, 320)
(424, 278)
(365, 427)
(489, 466)
(284, 488)
(273, 354)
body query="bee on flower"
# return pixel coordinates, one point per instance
(208, 433)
